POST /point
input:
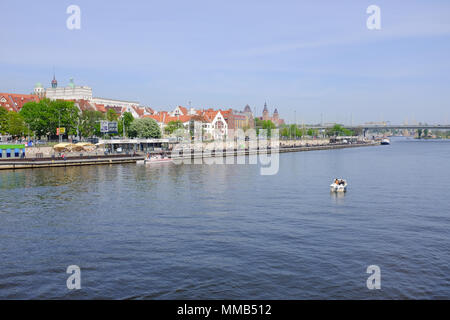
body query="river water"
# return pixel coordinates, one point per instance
(228, 232)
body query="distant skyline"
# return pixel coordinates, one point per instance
(306, 58)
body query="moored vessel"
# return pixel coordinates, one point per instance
(155, 159)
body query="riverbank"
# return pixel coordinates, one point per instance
(193, 154)
(14, 164)
(31, 163)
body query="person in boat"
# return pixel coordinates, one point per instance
(341, 182)
(336, 181)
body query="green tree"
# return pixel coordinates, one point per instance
(36, 116)
(268, 125)
(64, 114)
(112, 115)
(312, 132)
(89, 123)
(3, 120)
(144, 128)
(295, 131)
(172, 126)
(290, 131)
(127, 118)
(45, 116)
(338, 130)
(15, 124)
(347, 132)
(284, 131)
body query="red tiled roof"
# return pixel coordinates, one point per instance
(100, 107)
(139, 111)
(183, 109)
(156, 117)
(164, 117)
(206, 115)
(84, 105)
(118, 110)
(183, 118)
(210, 114)
(15, 101)
(149, 110)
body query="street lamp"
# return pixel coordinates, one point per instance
(59, 125)
(123, 125)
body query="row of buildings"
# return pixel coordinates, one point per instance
(220, 119)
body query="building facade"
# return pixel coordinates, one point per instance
(71, 92)
(82, 95)
(275, 118)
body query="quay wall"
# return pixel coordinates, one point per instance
(95, 159)
(58, 162)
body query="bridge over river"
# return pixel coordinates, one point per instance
(378, 127)
(385, 127)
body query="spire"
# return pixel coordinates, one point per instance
(54, 82)
(265, 107)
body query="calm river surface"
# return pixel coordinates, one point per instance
(225, 231)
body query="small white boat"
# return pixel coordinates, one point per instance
(338, 186)
(154, 160)
(157, 159)
(385, 141)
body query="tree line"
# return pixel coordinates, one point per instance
(44, 117)
(293, 131)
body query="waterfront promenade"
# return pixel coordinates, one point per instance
(100, 158)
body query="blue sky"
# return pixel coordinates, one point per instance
(306, 58)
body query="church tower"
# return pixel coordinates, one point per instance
(276, 117)
(265, 114)
(54, 82)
